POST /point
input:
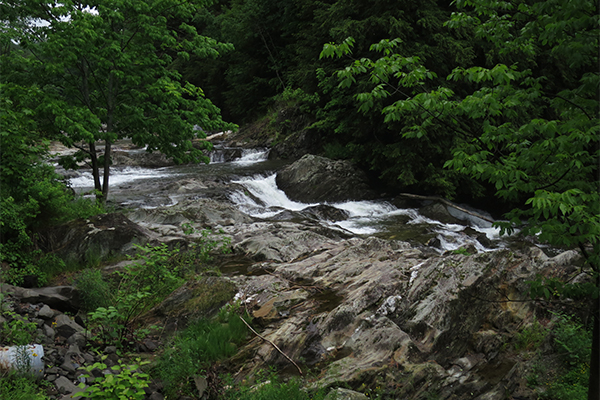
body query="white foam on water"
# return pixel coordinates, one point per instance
(251, 156)
(265, 189)
(366, 208)
(120, 176)
(363, 215)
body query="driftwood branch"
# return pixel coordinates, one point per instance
(446, 202)
(273, 344)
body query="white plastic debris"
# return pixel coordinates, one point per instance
(24, 359)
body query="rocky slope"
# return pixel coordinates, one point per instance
(362, 312)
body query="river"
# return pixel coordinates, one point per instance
(256, 194)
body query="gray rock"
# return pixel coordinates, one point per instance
(156, 396)
(317, 179)
(279, 241)
(439, 212)
(387, 304)
(46, 312)
(326, 212)
(345, 394)
(98, 237)
(199, 213)
(140, 159)
(73, 359)
(66, 327)
(64, 298)
(78, 338)
(89, 358)
(65, 386)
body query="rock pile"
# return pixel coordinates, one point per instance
(47, 314)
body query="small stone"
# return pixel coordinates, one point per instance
(78, 338)
(65, 386)
(156, 396)
(111, 360)
(66, 327)
(345, 394)
(80, 321)
(49, 332)
(46, 312)
(151, 345)
(89, 359)
(97, 373)
(69, 366)
(110, 349)
(51, 378)
(53, 370)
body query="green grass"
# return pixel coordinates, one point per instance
(270, 387)
(15, 387)
(193, 351)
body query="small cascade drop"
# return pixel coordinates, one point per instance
(263, 199)
(250, 156)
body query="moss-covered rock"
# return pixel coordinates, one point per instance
(196, 299)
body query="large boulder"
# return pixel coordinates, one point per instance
(196, 299)
(315, 179)
(64, 298)
(96, 238)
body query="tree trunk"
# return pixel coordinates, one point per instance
(110, 111)
(95, 170)
(107, 148)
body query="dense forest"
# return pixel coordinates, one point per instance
(491, 103)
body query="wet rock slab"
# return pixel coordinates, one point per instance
(318, 179)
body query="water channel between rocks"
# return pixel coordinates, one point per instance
(247, 181)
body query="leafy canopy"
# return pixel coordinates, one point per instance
(527, 120)
(105, 68)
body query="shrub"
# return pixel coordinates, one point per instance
(17, 330)
(124, 383)
(573, 344)
(531, 336)
(95, 291)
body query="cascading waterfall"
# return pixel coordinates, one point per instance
(251, 156)
(263, 199)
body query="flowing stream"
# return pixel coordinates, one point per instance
(133, 187)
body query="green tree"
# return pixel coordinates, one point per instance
(105, 68)
(525, 119)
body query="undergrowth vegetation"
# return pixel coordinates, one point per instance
(192, 352)
(17, 387)
(572, 343)
(115, 302)
(269, 386)
(565, 375)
